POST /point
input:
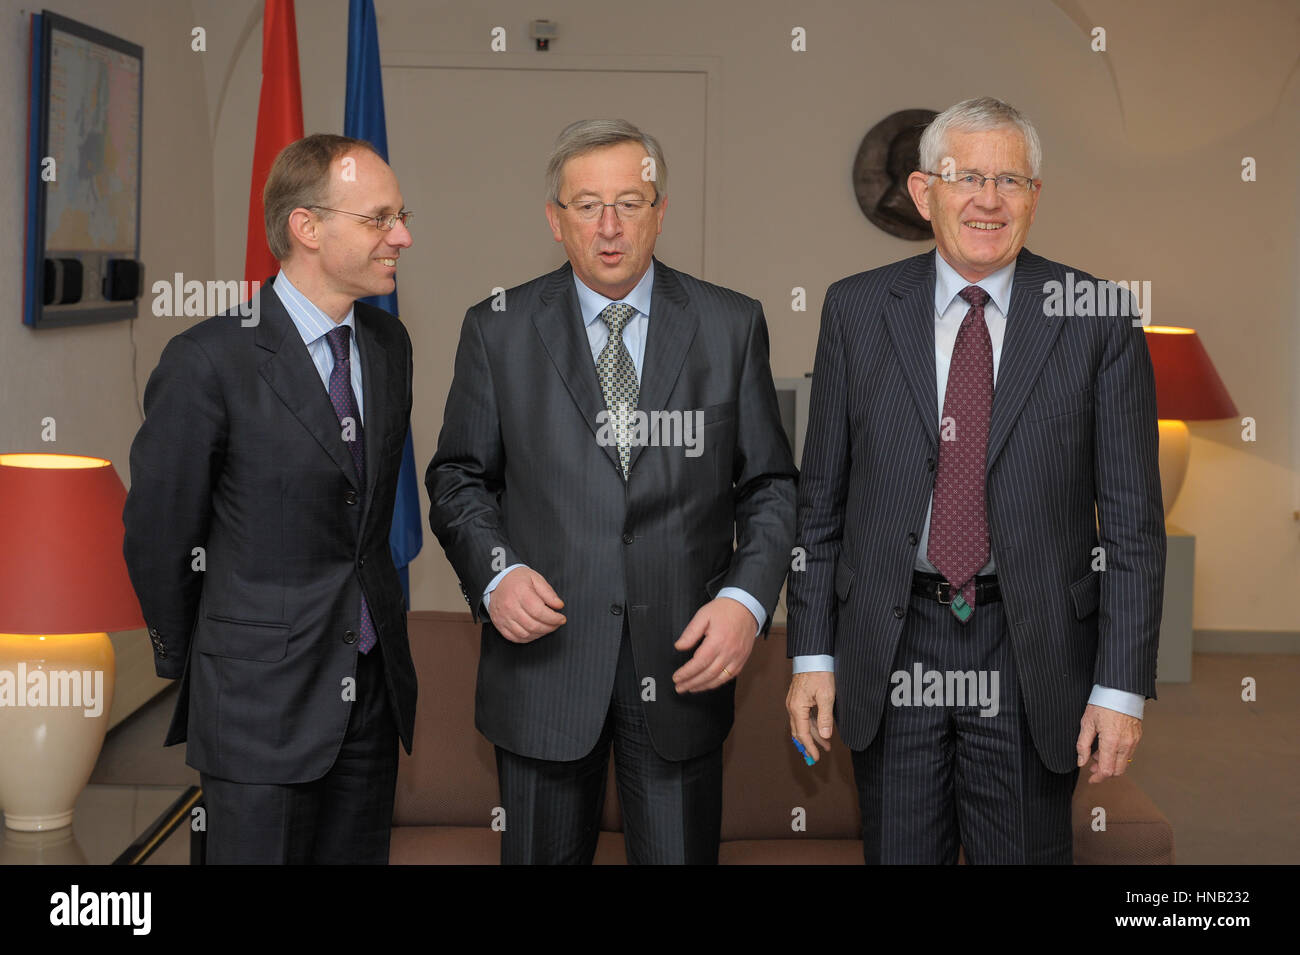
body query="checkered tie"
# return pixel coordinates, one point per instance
(345, 406)
(618, 378)
(959, 531)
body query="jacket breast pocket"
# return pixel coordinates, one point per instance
(243, 639)
(1059, 406)
(715, 414)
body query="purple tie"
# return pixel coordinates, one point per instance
(345, 406)
(959, 531)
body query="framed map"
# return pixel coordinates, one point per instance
(83, 196)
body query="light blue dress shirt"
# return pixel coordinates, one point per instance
(591, 304)
(949, 312)
(313, 325)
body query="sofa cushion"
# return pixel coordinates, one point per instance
(1136, 833)
(450, 777)
(766, 786)
(447, 791)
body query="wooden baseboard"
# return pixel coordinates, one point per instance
(1246, 641)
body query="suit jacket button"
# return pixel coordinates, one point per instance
(929, 464)
(350, 636)
(616, 609)
(900, 613)
(362, 561)
(912, 539)
(628, 538)
(350, 497)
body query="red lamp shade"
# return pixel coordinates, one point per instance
(61, 564)
(1187, 386)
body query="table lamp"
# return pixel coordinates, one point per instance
(1187, 389)
(63, 583)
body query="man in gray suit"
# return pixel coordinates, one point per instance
(613, 486)
(980, 509)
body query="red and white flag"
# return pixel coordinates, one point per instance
(279, 122)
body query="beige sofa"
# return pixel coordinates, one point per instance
(447, 791)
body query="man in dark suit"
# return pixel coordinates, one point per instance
(984, 566)
(262, 487)
(611, 433)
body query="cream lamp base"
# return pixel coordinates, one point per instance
(1175, 450)
(55, 694)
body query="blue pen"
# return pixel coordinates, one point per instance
(802, 752)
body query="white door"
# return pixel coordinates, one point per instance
(470, 147)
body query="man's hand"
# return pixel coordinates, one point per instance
(809, 691)
(729, 631)
(1117, 736)
(524, 607)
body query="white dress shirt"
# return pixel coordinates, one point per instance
(313, 325)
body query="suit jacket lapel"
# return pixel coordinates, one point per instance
(559, 323)
(293, 377)
(1029, 337)
(670, 333)
(375, 376)
(909, 319)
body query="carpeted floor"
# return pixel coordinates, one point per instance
(1225, 772)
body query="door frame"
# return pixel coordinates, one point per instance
(708, 66)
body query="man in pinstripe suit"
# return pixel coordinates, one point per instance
(980, 507)
(620, 607)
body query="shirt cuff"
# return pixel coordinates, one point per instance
(814, 663)
(750, 604)
(492, 585)
(1125, 702)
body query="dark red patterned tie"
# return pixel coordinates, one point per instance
(959, 530)
(345, 406)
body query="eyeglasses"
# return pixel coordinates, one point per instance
(627, 210)
(385, 223)
(969, 183)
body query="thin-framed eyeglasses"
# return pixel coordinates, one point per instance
(384, 223)
(968, 182)
(627, 210)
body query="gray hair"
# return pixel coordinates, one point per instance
(977, 115)
(588, 134)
